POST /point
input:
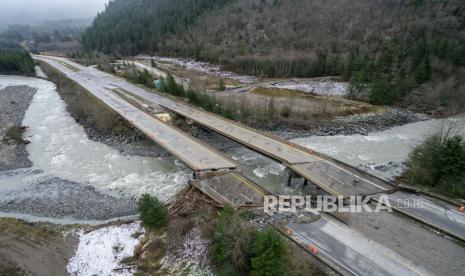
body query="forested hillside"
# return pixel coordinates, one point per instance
(408, 52)
(14, 60)
(61, 35)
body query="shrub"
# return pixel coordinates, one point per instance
(221, 85)
(268, 254)
(231, 243)
(152, 212)
(286, 111)
(439, 162)
(173, 88)
(14, 62)
(15, 133)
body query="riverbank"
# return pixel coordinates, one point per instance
(61, 175)
(35, 248)
(362, 124)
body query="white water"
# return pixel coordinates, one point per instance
(60, 148)
(380, 148)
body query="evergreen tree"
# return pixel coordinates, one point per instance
(171, 85)
(221, 85)
(14, 62)
(381, 90)
(439, 162)
(357, 85)
(152, 212)
(268, 254)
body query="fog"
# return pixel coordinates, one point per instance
(31, 11)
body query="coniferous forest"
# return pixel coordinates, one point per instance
(404, 52)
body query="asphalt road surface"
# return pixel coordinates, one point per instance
(441, 217)
(351, 252)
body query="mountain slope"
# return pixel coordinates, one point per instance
(393, 51)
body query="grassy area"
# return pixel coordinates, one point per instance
(28, 233)
(340, 104)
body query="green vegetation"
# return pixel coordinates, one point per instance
(14, 60)
(439, 163)
(262, 114)
(128, 26)
(152, 212)
(171, 87)
(231, 243)
(401, 67)
(239, 249)
(268, 254)
(204, 100)
(221, 85)
(141, 77)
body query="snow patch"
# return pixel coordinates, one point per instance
(315, 86)
(101, 251)
(202, 67)
(191, 259)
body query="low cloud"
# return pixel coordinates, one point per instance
(31, 11)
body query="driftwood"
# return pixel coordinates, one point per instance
(187, 201)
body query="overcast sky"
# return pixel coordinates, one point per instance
(30, 11)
